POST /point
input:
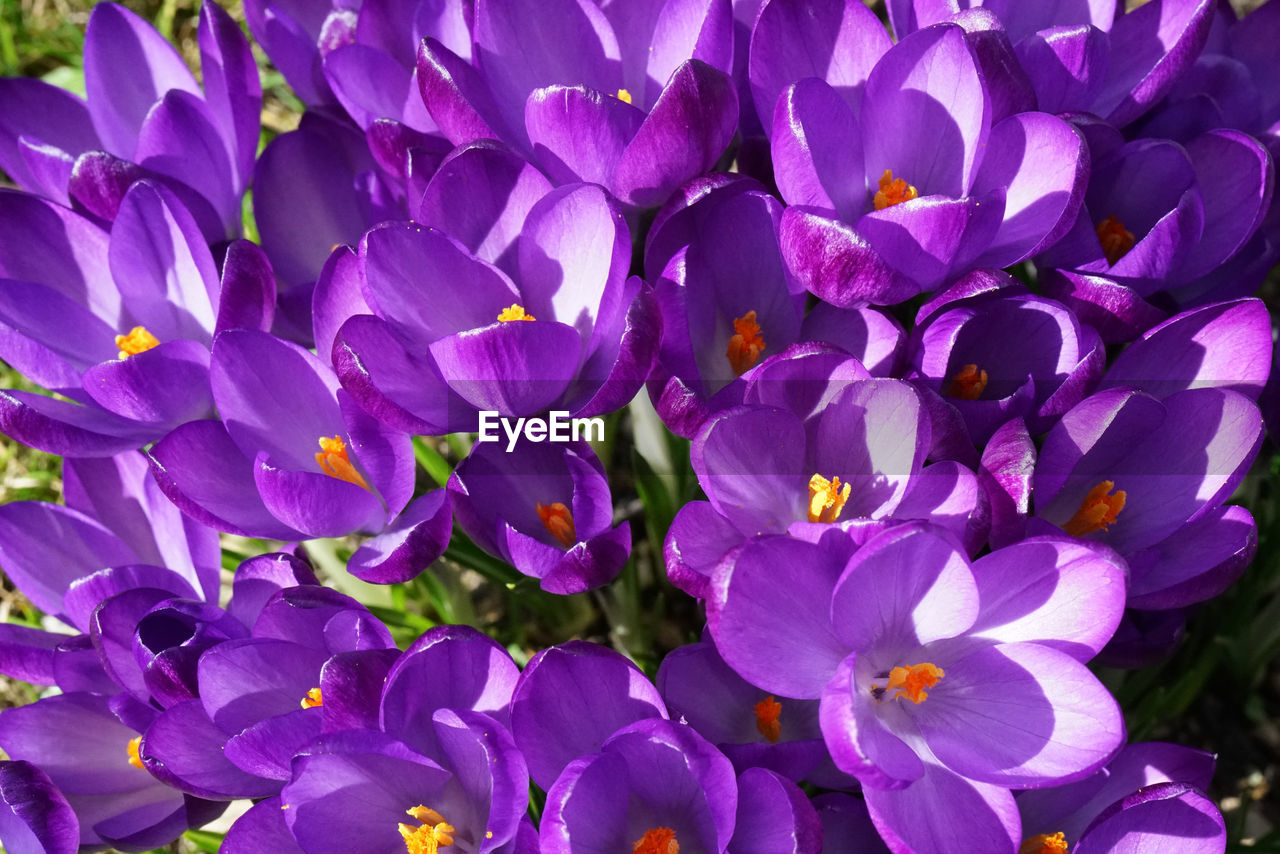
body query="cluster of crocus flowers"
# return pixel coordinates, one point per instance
(952, 320)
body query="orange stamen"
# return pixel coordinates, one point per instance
(893, 191)
(968, 384)
(1044, 844)
(1097, 511)
(624, 96)
(1116, 240)
(768, 714)
(911, 682)
(139, 340)
(657, 840)
(135, 756)
(333, 461)
(313, 699)
(747, 343)
(431, 835)
(512, 312)
(557, 519)
(826, 498)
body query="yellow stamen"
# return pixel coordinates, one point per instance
(1116, 240)
(968, 384)
(1098, 510)
(826, 498)
(911, 682)
(313, 699)
(893, 191)
(515, 311)
(433, 834)
(747, 343)
(557, 519)
(768, 719)
(1044, 844)
(333, 461)
(135, 756)
(624, 96)
(139, 340)
(657, 840)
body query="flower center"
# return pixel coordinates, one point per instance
(1116, 240)
(139, 340)
(333, 461)
(893, 191)
(746, 344)
(657, 840)
(768, 715)
(826, 498)
(1044, 844)
(557, 519)
(968, 384)
(135, 757)
(911, 682)
(624, 96)
(515, 311)
(430, 836)
(1098, 510)
(312, 700)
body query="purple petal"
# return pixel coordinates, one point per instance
(1067, 66)
(699, 536)
(185, 750)
(457, 97)
(28, 654)
(861, 742)
(118, 39)
(836, 42)
(35, 110)
(165, 386)
(247, 298)
(35, 817)
(338, 295)
(511, 368)
(61, 427)
(1165, 814)
(259, 578)
(231, 86)
(837, 264)
(579, 134)
(943, 811)
(1197, 562)
(933, 237)
(351, 687)
(817, 151)
(1235, 175)
(1116, 311)
(774, 816)
(261, 830)
(409, 544)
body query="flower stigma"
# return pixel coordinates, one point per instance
(333, 461)
(1116, 240)
(826, 498)
(430, 836)
(768, 719)
(558, 521)
(1045, 843)
(624, 96)
(515, 311)
(893, 191)
(911, 682)
(1098, 510)
(657, 840)
(139, 340)
(312, 700)
(968, 384)
(135, 755)
(747, 343)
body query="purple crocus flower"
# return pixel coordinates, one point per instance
(636, 98)
(157, 124)
(35, 817)
(87, 746)
(728, 301)
(921, 179)
(451, 334)
(1148, 478)
(942, 684)
(278, 464)
(120, 325)
(544, 508)
(816, 445)
(1000, 353)
(1149, 797)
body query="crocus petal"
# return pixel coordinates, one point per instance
(767, 612)
(35, 817)
(185, 750)
(834, 41)
(1067, 66)
(61, 427)
(1235, 175)
(36, 110)
(164, 386)
(683, 136)
(28, 654)
(838, 264)
(774, 816)
(261, 830)
(751, 462)
(115, 39)
(1154, 818)
(554, 720)
(231, 86)
(1117, 312)
(247, 298)
(85, 594)
(929, 238)
(697, 539)
(57, 327)
(817, 151)
(1062, 593)
(861, 743)
(316, 504)
(266, 748)
(458, 99)
(409, 545)
(510, 368)
(943, 811)
(1197, 562)
(579, 134)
